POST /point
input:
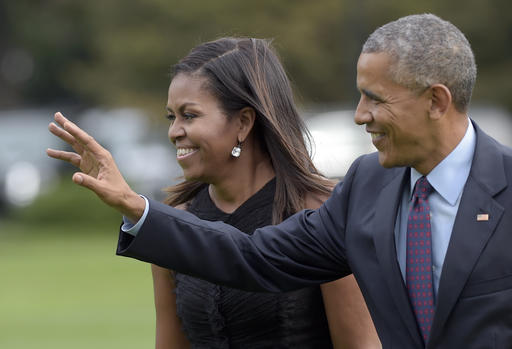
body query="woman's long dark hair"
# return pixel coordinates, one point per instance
(245, 72)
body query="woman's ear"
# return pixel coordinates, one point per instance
(441, 100)
(247, 118)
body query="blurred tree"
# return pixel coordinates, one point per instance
(120, 52)
(45, 38)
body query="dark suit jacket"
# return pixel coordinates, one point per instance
(354, 232)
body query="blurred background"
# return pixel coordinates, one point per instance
(106, 64)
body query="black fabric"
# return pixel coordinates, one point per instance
(215, 316)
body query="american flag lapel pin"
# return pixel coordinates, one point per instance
(482, 217)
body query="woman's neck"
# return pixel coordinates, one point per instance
(247, 178)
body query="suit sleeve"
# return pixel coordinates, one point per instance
(305, 249)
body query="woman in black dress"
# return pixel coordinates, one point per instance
(240, 142)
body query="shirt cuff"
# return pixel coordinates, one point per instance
(128, 227)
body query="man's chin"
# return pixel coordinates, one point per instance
(385, 162)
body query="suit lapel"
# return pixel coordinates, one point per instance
(469, 236)
(387, 205)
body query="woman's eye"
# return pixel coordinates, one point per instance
(185, 116)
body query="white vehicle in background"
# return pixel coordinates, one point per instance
(25, 170)
(494, 121)
(338, 140)
(144, 155)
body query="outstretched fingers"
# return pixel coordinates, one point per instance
(73, 158)
(66, 137)
(77, 135)
(99, 171)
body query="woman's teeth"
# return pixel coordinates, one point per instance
(184, 151)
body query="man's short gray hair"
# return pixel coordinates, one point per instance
(427, 50)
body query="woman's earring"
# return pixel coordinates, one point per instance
(237, 150)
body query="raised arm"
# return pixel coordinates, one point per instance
(305, 249)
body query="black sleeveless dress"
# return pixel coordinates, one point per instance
(215, 316)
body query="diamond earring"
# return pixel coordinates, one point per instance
(237, 150)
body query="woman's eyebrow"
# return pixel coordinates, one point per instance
(181, 107)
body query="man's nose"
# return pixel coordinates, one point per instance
(363, 114)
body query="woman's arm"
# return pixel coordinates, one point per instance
(169, 334)
(350, 323)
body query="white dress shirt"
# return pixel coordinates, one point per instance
(448, 179)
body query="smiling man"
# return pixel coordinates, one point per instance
(424, 223)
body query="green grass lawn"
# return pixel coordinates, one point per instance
(63, 287)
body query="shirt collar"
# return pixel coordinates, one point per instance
(449, 176)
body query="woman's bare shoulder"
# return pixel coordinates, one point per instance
(315, 200)
(182, 206)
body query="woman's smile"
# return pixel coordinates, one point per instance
(182, 153)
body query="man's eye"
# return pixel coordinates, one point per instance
(170, 117)
(188, 116)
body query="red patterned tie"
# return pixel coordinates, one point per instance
(419, 258)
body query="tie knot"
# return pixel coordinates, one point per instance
(422, 188)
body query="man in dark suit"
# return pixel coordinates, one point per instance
(424, 224)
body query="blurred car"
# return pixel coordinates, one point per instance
(494, 121)
(25, 170)
(143, 153)
(338, 140)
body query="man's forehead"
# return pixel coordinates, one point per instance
(375, 60)
(372, 67)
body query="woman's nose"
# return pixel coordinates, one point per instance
(175, 131)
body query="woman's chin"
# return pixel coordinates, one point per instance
(191, 176)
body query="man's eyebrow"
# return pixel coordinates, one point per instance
(371, 95)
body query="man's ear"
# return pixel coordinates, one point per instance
(441, 100)
(246, 118)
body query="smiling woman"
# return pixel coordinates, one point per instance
(234, 93)
(201, 131)
(239, 140)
